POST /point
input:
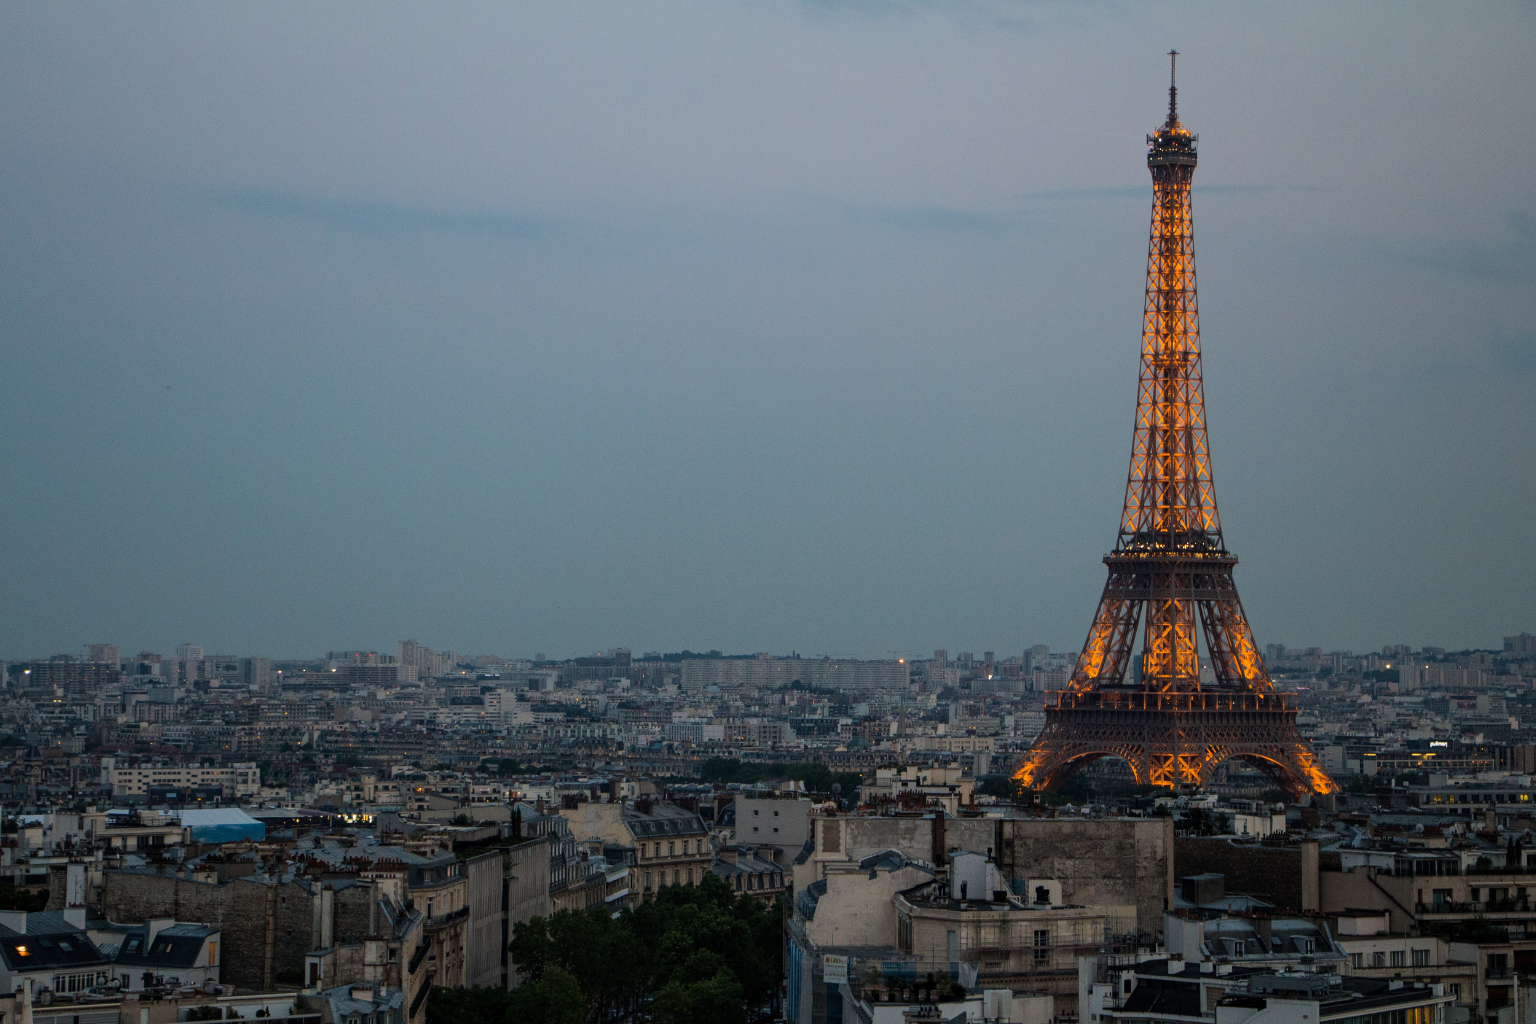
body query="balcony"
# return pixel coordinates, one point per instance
(442, 920)
(1450, 908)
(1138, 700)
(420, 955)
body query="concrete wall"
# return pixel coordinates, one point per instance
(526, 882)
(858, 910)
(268, 927)
(1099, 863)
(758, 817)
(1365, 889)
(482, 967)
(597, 821)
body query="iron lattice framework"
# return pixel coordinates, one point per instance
(1170, 565)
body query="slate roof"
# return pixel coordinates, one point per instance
(48, 941)
(664, 820)
(1163, 997)
(746, 864)
(888, 860)
(809, 896)
(175, 947)
(344, 1007)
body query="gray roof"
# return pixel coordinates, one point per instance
(664, 820)
(343, 1006)
(177, 946)
(46, 941)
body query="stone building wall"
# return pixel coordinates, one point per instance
(1106, 862)
(268, 926)
(1273, 874)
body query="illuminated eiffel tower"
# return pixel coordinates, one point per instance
(1169, 565)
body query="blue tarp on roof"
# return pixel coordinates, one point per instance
(222, 825)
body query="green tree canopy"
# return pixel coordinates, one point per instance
(695, 953)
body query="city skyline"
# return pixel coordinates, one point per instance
(796, 327)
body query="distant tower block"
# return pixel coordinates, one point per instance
(1170, 566)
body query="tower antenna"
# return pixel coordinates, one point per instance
(1173, 89)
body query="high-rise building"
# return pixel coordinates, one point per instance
(189, 652)
(1523, 645)
(107, 654)
(940, 660)
(256, 672)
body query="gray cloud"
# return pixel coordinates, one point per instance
(750, 326)
(1515, 352)
(375, 218)
(1505, 260)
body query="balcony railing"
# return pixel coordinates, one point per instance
(1481, 907)
(420, 955)
(446, 919)
(1138, 700)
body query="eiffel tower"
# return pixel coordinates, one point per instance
(1169, 565)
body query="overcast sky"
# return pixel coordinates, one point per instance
(756, 326)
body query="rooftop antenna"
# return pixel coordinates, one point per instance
(1173, 91)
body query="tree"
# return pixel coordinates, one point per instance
(716, 1000)
(694, 953)
(555, 998)
(468, 1006)
(1004, 787)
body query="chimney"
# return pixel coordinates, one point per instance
(1311, 882)
(728, 854)
(1264, 926)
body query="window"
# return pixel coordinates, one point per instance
(1042, 946)
(1378, 959)
(1421, 958)
(1399, 958)
(671, 849)
(1357, 960)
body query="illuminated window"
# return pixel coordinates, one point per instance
(22, 951)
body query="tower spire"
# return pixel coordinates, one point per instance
(1173, 88)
